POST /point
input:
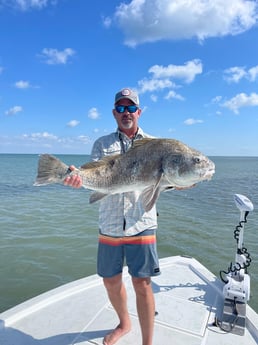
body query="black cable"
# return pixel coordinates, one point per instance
(237, 266)
(232, 324)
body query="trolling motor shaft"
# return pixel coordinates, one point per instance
(236, 290)
(237, 287)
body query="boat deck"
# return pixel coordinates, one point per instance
(187, 295)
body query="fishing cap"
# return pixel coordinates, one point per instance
(129, 94)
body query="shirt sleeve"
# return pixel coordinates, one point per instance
(96, 152)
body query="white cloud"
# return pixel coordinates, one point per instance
(56, 57)
(22, 84)
(154, 98)
(191, 121)
(152, 20)
(14, 110)
(173, 95)
(241, 100)
(253, 73)
(93, 114)
(83, 139)
(73, 123)
(40, 135)
(163, 77)
(39, 142)
(25, 5)
(107, 21)
(216, 99)
(186, 72)
(49, 138)
(149, 85)
(235, 74)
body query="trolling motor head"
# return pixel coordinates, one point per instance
(243, 203)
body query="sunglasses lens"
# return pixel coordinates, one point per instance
(132, 108)
(121, 108)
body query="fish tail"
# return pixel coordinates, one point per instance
(50, 170)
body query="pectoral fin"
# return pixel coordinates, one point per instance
(150, 195)
(96, 196)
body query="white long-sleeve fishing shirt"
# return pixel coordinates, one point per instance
(122, 214)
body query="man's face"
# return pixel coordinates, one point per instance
(126, 120)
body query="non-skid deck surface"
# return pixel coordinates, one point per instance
(187, 299)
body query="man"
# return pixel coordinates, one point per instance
(126, 231)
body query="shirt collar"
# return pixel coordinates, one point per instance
(138, 135)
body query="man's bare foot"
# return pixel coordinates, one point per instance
(116, 334)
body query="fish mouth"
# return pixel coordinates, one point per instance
(209, 171)
(208, 174)
(198, 176)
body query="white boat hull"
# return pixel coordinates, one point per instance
(187, 295)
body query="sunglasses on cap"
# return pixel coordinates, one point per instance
(122, 108)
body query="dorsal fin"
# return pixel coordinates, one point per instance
(141, 142)
(109, 159)
(103, 161)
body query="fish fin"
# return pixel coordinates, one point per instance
(111, 159)
(103, 161)
(50, 170)
(150, 194)
(142, 141)
(96, 196)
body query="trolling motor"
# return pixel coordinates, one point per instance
(236, 290)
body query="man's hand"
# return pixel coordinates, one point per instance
(74, 181)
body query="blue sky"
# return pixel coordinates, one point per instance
(193, 62)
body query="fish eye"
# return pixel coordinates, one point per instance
(176, 159)
(197, 160)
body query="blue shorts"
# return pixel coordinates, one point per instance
(139, 251)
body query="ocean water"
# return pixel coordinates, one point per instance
(48, 235)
